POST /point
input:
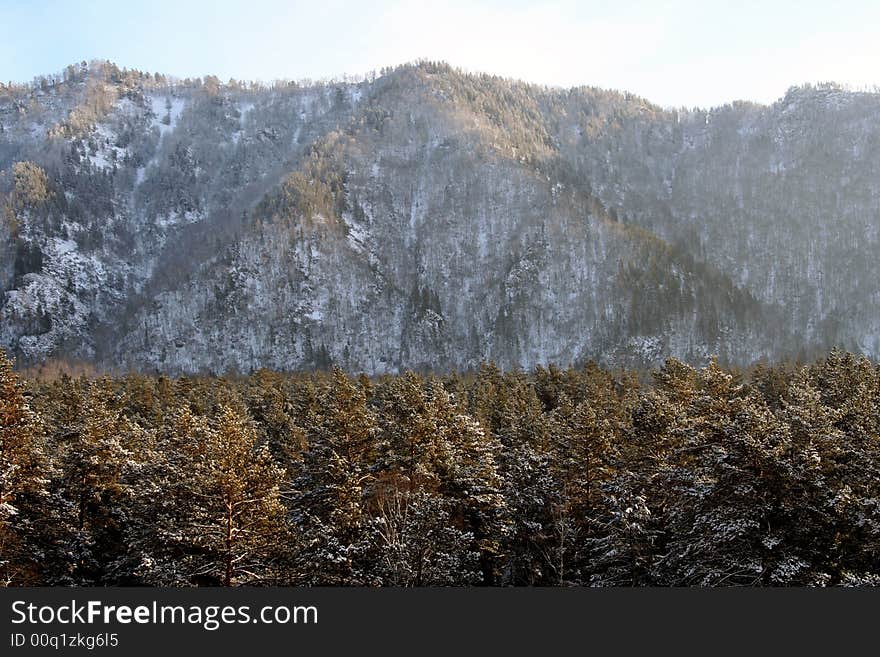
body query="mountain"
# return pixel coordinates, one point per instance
(428, 218)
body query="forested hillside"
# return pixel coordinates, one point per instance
(584, 476)
(426, 218)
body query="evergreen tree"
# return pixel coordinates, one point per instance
(328, 504)
(23, 472)
(414, 541)
(560, 477)
(94, 456)
(233, 526)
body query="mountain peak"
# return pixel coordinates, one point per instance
(200, 225)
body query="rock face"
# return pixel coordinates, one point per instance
(428, 218)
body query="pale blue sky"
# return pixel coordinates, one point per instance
(674, 52)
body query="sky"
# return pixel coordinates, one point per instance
(673, 52)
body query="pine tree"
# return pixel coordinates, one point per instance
(413, 481)
(95, 454)
(584, 453)
(411, 441)
(622, 548)
(23, 471)
(233, 526)
(740, 490)
(470, 478)
(815, 507)
(329, 501)
(414, 541)
(531, 496)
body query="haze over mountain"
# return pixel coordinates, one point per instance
(426, 218)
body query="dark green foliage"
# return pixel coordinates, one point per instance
(706, 477)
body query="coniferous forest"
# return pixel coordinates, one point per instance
(554, 477)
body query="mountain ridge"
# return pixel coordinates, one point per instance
(428, 218)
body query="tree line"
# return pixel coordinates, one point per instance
(556, 477)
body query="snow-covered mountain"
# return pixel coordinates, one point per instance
(429, 218)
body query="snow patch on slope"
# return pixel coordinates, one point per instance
(166, 111)
(106, 153)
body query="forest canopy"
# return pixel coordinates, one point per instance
(560, 477)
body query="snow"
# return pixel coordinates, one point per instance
(159, 106)
(127, 107)
(464, 226)
(175, 218)
(107, 153)
(244, 109)
(649, 349)
(357, 237)
(64, 246)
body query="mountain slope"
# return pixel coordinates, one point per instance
(428, 218)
